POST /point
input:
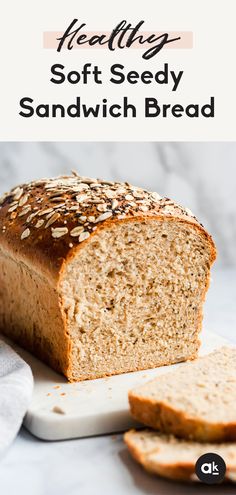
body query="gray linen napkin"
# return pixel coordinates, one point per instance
(16, 386)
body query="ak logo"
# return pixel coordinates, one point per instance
(210, 468)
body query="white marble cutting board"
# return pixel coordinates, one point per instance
(61, 410)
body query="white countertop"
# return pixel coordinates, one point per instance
(102, 465)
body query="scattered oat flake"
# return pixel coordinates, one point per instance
(75, 173)
(102, 207)
(59, 232)
(18, 192)
(104, 216)
(25, 210)
(39, 223)
(76, 231)
(57, 198)
(89, 180)
(12, 208)
(107, 182)
(83, 236)
(52, 219)
(57, 207)
(30, 217)
(82, 198)
(91, 219)
(81, 187)
(49, 215)
(110, 194)
(156, 196)
(25, 234)
(114, 204)
(74, 208)
(95, 185)
(23, 199)
(45, 212)
(137, 194)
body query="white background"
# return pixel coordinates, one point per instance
(209, 69)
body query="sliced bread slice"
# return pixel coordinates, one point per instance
(195, 401)
(174, 458)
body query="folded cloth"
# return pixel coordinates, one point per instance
(16, 386)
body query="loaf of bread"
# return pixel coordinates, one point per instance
(196, 401)
(100, 278)
(173, 458)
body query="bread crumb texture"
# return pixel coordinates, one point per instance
(197, 400)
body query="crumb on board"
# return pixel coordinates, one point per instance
(57, 386)
(58, 410)
(63, 393)
(49, 394)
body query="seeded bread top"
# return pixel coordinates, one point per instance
(46, 219)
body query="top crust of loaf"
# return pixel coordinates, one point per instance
(45, 222)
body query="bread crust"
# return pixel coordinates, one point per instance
(41, 252)
(157, 411)
(160, 416)
(178, 471)
(48, 256)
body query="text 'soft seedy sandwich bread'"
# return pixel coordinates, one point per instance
(99, 277)
(174, 458)
(196, 401)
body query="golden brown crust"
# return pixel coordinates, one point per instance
(43, 224)
(174, 472)
(62, 203)
(30, 313)
(179, 471)
(161, 416)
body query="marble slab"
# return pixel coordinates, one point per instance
(60, 410)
